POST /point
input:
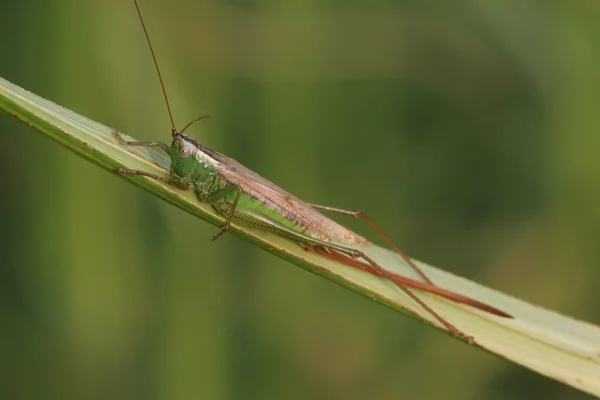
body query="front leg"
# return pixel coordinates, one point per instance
(165, 147)
(181, 183)
(173, 180)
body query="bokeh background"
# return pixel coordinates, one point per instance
(469, 130)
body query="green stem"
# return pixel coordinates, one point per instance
(551, 344)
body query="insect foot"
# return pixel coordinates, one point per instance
(220, 232)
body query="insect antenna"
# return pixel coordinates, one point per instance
(162, 85)
(194, 120)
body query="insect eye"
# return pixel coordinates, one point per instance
(184, 151)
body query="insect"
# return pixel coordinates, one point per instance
(243, 197)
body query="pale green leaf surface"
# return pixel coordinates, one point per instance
(551, 344)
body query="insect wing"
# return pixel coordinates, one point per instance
(276, 198)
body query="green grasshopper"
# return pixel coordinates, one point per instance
(243, 197)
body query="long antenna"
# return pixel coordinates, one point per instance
(162, 84)
(194, 120)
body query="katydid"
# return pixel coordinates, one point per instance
(243, 197)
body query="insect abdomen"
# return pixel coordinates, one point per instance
(255, 205)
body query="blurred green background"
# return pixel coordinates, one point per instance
(469, 131)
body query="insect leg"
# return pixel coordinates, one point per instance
(411, 283)
(220, 195)
(181, 183)
(389, 241)
(251, 218)
(386, 274)
(124, 142)
(125, 171)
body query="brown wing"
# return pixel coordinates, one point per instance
(252, 184)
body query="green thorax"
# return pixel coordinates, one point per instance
(195, 167)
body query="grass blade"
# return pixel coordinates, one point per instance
(551, 344)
